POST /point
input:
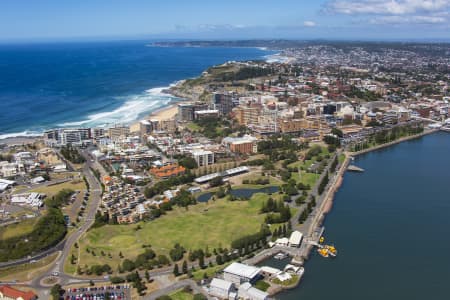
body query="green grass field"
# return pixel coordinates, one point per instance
(22, 228)
(214, 224)
(307, 178)
(54, 189)
(181, 295)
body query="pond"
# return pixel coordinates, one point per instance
(242, 192)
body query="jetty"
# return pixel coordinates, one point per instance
(354, 168)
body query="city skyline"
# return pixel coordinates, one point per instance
(286, 19)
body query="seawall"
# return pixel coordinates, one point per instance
(400, 140)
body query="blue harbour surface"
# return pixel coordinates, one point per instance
(391, 226)
(92, 84)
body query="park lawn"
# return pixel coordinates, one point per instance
(307, 178)
(262, 285)
(305, 164)
(181, 295)
(213, 224)
(254, 177)
(21, 228)
(68, 267)
(51, 190)
(256, 186)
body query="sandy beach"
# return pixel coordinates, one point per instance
(20, 140)
(164, 113)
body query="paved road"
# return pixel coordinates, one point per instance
(93, 204)
(176, 286)
(58, 247)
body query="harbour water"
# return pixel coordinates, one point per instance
(391, 226)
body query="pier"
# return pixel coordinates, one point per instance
(354, 168)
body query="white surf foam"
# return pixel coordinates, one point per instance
(276, 58)
(20, 134)
(133, 108)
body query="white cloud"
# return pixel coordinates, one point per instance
(217, 27)
(309, 24)
(408, 20)
(386, 7)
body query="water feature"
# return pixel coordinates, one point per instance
(241, 193)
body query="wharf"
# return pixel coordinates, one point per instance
(354, 168)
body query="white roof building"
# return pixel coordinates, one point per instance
(33, 199)
(37, 180)
(8, 182)
(220, 288)
(247, 292)
(283, 276)
(282, 242)
(295, 239)
(3, 186)
(239, 273)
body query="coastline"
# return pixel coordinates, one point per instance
(164, 113)
(20, 140)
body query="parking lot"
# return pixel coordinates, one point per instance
(120, 292)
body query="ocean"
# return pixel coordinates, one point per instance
(52, 85)
(390, 226)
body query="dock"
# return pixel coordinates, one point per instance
(354, 168)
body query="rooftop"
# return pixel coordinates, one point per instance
(221, 284)
(242, 270)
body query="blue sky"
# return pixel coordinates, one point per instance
(224, 19)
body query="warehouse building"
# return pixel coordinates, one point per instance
(239, 273)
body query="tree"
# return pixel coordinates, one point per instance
(184, 267)
(219, 259)
(128, 265)
(176, 272)
(337, 132)
(147, 275)
(177, 252)
(56, 291)
(188, 162)
(201, 262)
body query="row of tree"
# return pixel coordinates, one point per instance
(164, 185)
(72, 154)
(323, 184)
(307, 211)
